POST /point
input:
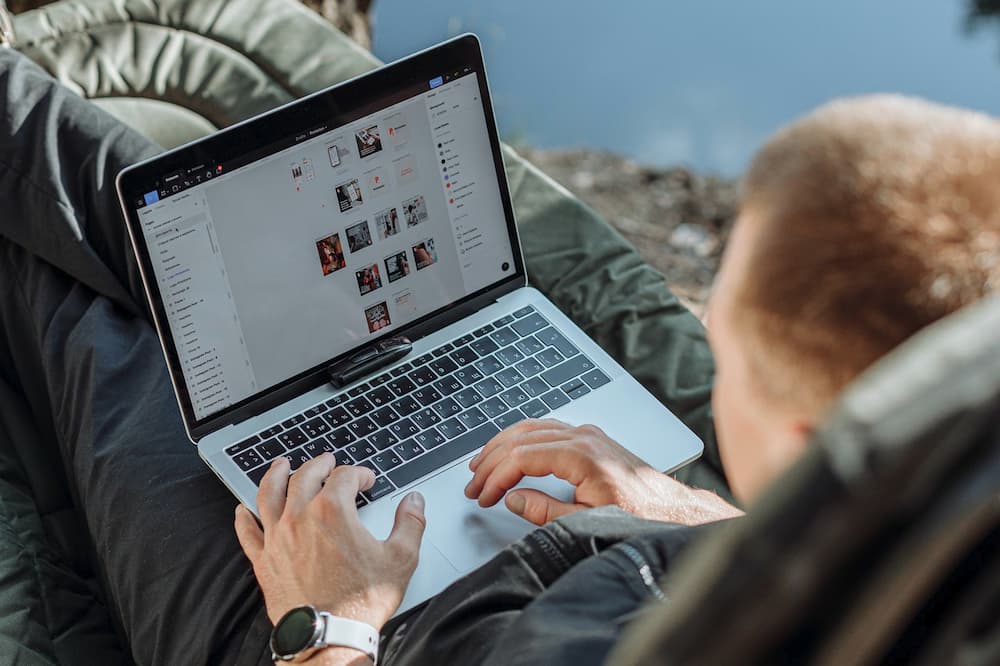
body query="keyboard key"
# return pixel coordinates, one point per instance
(488, 387)
(360, 450)
(484, 346)
(298, 458)
(383, 439)
(535, 387)
(314, 411)
(575, 388)
(292, 438)
(464, 340)
(363, 426)
(343, 458)
(463, 356)
(406, 405)
(555, 399)
(257, 474)
(403, 429)
(383, 417)
(313, 428)
(472, 418)
(270, 449)
(427, 395)
(451, 428)
(503, 321)
(529, 345)
(408, 450)
(337, 417)
(359, 407)
(359, 500)
(401, 370)
(534, 409)
(505, 421)
(422, 376)
(552, 337)
(467, 397)
(358, 390)
(488, 365)
(468, 376)
(514, 396)
(387, 460)
(480, 332)
(270, 432)
(244, 445)
(529, 324)
(524, 312)
(248, 460)
(315, 447)
(438, 457)
(529, 367)
(381, 379)
(443, 366)
(295, 420)
(370, 465)
(381, 396)
(448, 385)
(425, 418)
(341, 437)
(595, 378)
(337, 400)
(504, 336)
(401, 386)
(509, 377)
(421, 360)
(429, 438)
(550, 357)
(443, 349)
(494, 407)
(509, 355)
(567, 370)
(446, 408)
(381, 488)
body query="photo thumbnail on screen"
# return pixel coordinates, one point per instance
(424, 254)
(415, 210)
(349, 195)
(397, 266)
(331, 254)
(359, 236)
(377, 317)
(368, 279)
(368, 140)
(387, 223)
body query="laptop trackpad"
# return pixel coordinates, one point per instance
(465, 533)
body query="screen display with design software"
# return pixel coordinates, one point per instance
(305, 252)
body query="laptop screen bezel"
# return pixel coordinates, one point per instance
(365, 93)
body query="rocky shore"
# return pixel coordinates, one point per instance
(679, 220)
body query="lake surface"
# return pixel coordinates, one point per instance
(699, 83)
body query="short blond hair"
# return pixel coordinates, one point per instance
(877, 216)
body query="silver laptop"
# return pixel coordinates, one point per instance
(344, 274)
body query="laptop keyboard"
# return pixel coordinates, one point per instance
(418, 417)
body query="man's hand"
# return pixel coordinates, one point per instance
(314, 550)
(602, 471)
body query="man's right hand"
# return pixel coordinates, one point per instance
(602, 471)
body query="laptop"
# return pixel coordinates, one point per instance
(344, 274)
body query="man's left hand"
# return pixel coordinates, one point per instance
(313, 548)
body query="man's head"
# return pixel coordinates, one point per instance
(860, 224)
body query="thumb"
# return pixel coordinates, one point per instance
(537, 507)
(410, 522)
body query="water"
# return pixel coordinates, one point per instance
(701, 83)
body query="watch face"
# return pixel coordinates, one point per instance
(295, 632)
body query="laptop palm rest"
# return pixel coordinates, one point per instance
(466, 534)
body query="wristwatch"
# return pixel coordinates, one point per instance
(304, 630)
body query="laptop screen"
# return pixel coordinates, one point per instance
(275, 262)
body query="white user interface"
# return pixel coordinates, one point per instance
(304, 254)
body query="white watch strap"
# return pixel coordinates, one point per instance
(343, 632)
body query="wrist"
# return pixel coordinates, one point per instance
(336, 656)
